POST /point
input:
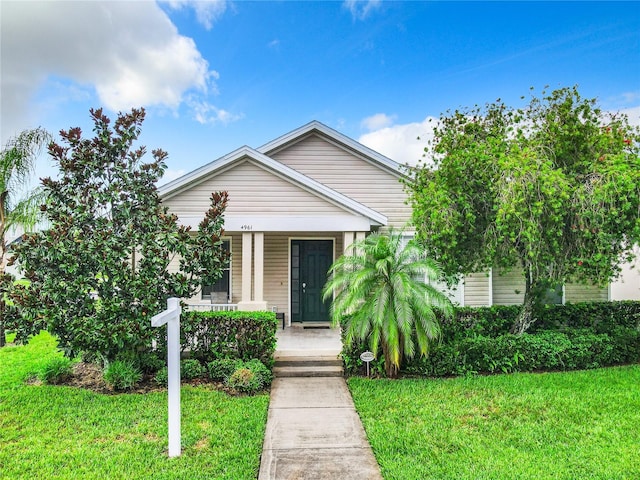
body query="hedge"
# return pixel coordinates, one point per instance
(565, 337)
(243, 335)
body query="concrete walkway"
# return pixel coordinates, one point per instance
(313, 430)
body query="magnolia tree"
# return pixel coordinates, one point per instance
(99, 273)
(552, 188)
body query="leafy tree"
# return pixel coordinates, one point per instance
(553, 188)
(100, 271)
(380, 296)
(19, 207)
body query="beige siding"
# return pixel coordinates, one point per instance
(348, 174)
(476, 290)
(252, 191)
(276, 272)
(508, 287)
(574, 293)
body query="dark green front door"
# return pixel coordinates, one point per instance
(310, 262)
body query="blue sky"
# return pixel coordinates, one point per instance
(216, 75)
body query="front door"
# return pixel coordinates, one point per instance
(310, 262)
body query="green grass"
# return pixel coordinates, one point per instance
(65, 433)
(578, 425)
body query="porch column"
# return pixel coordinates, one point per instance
(347, 241)
(360, 236)
(252, 256)
(258, 267)
(247, 238)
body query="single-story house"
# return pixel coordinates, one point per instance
(295, 205)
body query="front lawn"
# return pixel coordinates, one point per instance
(583, 424)
(58, 432)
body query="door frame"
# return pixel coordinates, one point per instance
(289, 241)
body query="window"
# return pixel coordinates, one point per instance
(553, 296)
(220, 292)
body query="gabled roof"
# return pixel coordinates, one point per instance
(349, 143)
(201, 174)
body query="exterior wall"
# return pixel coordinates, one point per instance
(477, 290)
(252, 191)
(574, 293)
(330, 164)
(627, 286)
(508, 287)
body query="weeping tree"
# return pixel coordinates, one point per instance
(19, 206)
(382, 293)
(101, 269)
(552, 188)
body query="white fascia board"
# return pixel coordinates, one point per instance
(287, 223)
(338, 137)
(277, 168)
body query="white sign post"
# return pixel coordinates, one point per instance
(171, 316)
(367, 357)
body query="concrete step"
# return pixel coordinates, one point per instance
(308, 361)
(308, 371)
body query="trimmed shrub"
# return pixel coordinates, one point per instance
(190, 369)
(222, 369)
(122, 375)
(55, 371)
(263, 374)
(244, 380)
(213, 335)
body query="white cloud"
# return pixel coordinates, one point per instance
(207, 11)
(128, 52)
(170, 175)
(633, 113)
(205, 112)
(377, 121)
(361, 9)
(403, 143)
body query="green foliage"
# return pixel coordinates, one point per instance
(99, 272)
(162, 376)
(263, 374)
(382, 295)
(191, 368)
(122, 375)
(17, 160)
(55, 371)
(566, 337)
(553, 188)
(244, 380)
(248, 377)
(222, 368)
(215, 335)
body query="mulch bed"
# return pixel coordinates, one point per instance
(89, 377)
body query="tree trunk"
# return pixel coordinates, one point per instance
(390, 370)
(526, 316)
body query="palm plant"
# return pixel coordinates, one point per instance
(382, 293)
(18, 207)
